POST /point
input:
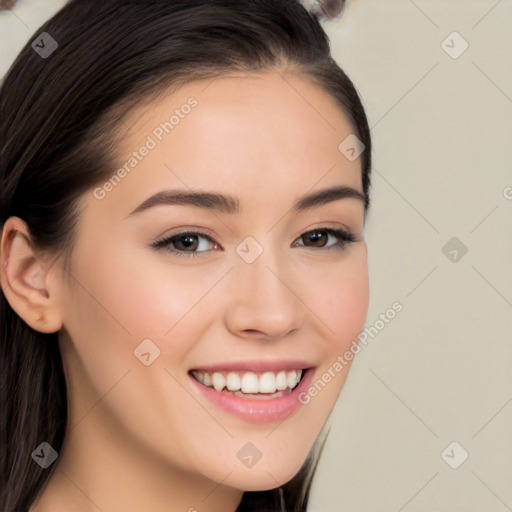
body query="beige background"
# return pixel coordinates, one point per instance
(441, 370)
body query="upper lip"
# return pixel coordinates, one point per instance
(256, 365)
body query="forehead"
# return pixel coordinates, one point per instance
(261, 136)
(250, 108)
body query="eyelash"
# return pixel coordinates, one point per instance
(345, 237)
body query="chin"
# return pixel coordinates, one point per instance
(263, 477)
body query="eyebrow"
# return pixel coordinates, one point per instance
(231, 205)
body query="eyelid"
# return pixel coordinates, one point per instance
(344, 234)
(185, 230)
(163, 242)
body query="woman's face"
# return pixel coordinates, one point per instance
(263, 288)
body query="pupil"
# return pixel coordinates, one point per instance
(316, 235)
(189, 239)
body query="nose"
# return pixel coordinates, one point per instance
(264, 299)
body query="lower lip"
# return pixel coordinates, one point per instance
(256, 410)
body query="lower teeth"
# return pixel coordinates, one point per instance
(258, 396)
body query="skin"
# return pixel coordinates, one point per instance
(141, 438)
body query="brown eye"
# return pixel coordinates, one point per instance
(318, 238)
(186, 243)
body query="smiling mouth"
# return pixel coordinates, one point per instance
(247, 384)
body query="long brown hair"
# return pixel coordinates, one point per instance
(59, 117)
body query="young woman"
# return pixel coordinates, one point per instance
(184, 191)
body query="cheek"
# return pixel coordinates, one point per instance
(114, 305)
(118, 304)
(348, 308)
(165, 297)
(342, 302)
(137, 297)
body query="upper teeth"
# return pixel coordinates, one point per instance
(249, 382)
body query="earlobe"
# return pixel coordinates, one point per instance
(25, 279)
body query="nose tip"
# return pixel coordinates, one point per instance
(262, 304)
(272, 321)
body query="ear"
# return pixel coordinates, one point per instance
(28, 280)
